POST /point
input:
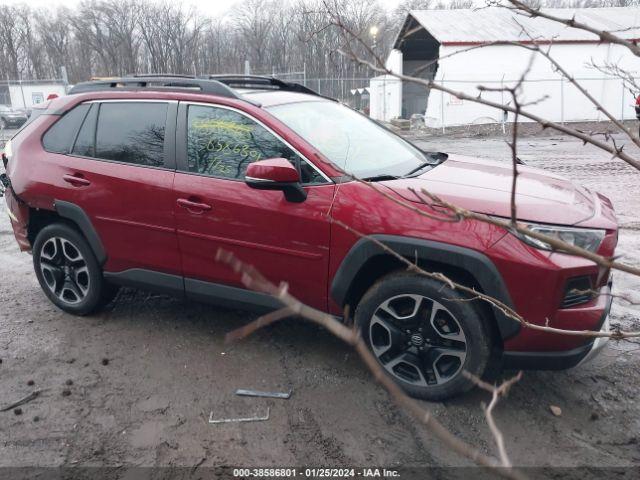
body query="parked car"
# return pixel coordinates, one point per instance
(12, 117)
(139, 181)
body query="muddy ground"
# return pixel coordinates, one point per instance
(142, 377)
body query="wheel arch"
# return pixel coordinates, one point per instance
(367, 262)
(69, 213)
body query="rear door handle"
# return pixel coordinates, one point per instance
(192, 206)
(76, 180)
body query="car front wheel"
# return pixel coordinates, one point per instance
(68, 271)
(424, 335)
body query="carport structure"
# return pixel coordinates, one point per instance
(465, 48)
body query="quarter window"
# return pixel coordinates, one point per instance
(59, 138)
(222, 143)
(132, 133)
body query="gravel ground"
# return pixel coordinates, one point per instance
(134, 385)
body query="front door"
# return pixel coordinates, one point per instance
(215, 209)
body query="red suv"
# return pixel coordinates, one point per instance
(139, 181)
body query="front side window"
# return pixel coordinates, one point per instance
(222, 143)
(131, 132)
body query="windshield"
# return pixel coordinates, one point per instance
(350, 140)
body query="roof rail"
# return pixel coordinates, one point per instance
(166, 75)
(261, 83)
(170, 82)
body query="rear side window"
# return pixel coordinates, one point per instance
(132, 133)
(59, 138)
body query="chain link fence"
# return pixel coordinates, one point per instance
(354, 91)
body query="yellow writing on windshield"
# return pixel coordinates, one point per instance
(227, 125)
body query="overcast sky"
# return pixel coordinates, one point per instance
(212, 7)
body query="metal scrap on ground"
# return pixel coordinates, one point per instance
(258, 393)
(236, 420)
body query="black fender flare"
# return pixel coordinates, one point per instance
(78, 216)
(476, 264)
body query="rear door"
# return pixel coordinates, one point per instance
(120, 171)
(215, 209)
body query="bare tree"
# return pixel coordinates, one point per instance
(254, 20)
(55, 38)
(10, 39)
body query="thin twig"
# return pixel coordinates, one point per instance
(261, 322)
(496, 393)
(604, 35)
(22, 401)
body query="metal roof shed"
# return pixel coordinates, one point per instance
(448, 39)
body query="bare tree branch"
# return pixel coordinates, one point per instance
(605, 36)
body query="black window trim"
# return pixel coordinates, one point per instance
(169, 140)
(84, 119)
(181, 143)
(75, 137)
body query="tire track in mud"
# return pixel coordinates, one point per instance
(311, 447)
(305, 440)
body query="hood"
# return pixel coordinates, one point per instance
(484, 186)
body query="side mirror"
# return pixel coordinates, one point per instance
(276, 174)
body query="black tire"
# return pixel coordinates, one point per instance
(76, 287)
(435, 339)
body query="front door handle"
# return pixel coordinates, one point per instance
(195, 207)
(76, 180)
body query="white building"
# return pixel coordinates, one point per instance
(427, 35)
(26, 93)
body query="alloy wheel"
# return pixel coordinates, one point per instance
(417, 340)
(64, 270)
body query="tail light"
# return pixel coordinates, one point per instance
(7, 154)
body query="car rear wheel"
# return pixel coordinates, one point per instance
(68, 271)
(424, 335)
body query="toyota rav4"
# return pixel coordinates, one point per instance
(139, 181)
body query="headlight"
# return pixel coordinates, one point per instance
(587, 238)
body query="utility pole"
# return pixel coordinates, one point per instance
(65, 78)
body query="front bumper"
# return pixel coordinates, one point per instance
(561, 360)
